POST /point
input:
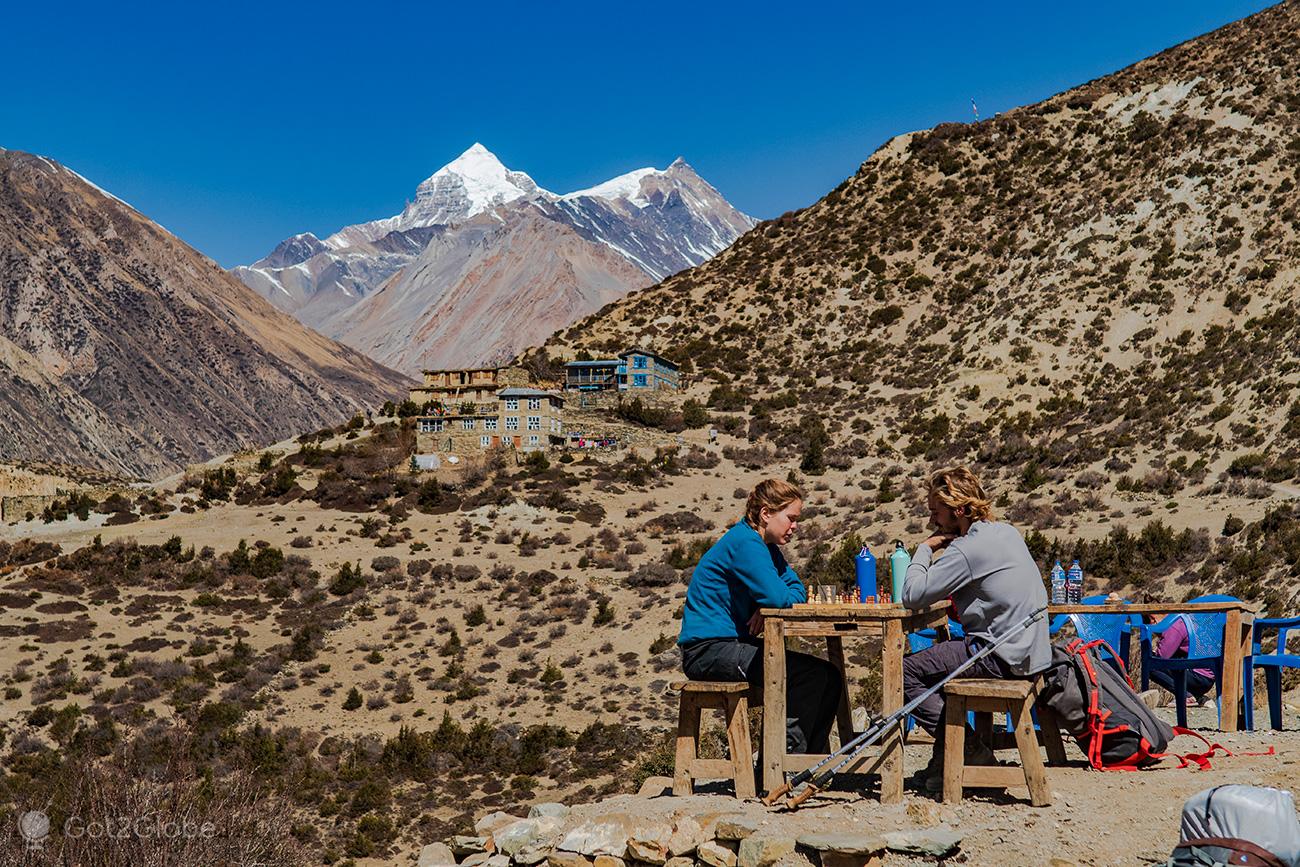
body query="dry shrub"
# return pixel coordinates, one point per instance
(170, 816)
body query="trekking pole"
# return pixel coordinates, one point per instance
(817, 779)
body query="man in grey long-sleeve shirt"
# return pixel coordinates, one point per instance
(994, 585)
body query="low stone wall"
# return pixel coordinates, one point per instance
(692, 831)
(17, 508)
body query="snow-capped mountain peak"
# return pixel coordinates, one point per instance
(485, 252)
(474, 182)
(626, 186)
(483, 179)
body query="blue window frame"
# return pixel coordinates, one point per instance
(638, 380)
(639, 362)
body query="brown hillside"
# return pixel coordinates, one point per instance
(158, 357)
(1088, 297)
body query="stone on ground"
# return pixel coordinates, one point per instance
(522, 833)
(489, 823)
(653, 787)
(761, 851)
(935, 842)
(463, 845)
(436, 855)
(549, 809)
(844, 842)
(609, 834)
(735, 827)
(687, 834)
(715, 854)
(560, 858)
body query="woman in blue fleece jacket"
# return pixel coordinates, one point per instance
(743, 572)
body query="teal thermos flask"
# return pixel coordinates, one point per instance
(898, 563)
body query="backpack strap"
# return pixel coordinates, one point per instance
(1252, 854)
(1101, 642)
(1202, 760)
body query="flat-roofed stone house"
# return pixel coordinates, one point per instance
(636, 370)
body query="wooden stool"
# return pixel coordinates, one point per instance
(733, 700)
(983, 696)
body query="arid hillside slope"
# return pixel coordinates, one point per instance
(1090, 294)
(154, 356)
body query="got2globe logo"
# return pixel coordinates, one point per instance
(34, 826)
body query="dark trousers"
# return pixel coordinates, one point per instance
(1197, 684)
(924, 669)
(812, 686)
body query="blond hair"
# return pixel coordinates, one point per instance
(957, 487)
(771, 494)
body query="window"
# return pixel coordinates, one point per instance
(512, 422)
(534, 440)
(467, 424)
(489, 424)
(485, 441)
(534, 422)
(534, 403)
(638, 380)
(512, 404)
(639, 362)
(430, 425)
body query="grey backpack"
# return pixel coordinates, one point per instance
(1096, 705)
(1249, 826)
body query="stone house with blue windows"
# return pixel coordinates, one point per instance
(636, 370)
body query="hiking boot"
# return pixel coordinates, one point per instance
(975, 751)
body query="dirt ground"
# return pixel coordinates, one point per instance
(1095, 818)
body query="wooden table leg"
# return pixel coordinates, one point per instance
(1232, 661)
(891, 699)
(835, 653)
(773, 703)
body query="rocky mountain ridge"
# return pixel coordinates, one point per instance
(128, 351)
(619, 235)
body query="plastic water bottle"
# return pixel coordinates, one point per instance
(1074, 584)
(864, 567)
(1058, 584)
(898, 563)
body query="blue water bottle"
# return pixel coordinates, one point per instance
(864, 567)
(898, 563)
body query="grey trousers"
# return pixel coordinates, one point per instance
(925, 668)
(812, 686)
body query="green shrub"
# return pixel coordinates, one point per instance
(348, 579)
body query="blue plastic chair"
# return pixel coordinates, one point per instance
(1272, 663)
(1204, 650)
(1114, 629)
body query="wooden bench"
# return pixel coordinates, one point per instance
(733, 700)
(1016, 698)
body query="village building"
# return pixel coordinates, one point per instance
(471, 385)
(522, 418)
(636, 370)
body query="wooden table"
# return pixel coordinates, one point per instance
(1237, 627)
(891, 623)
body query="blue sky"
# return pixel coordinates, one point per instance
(237, 124)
